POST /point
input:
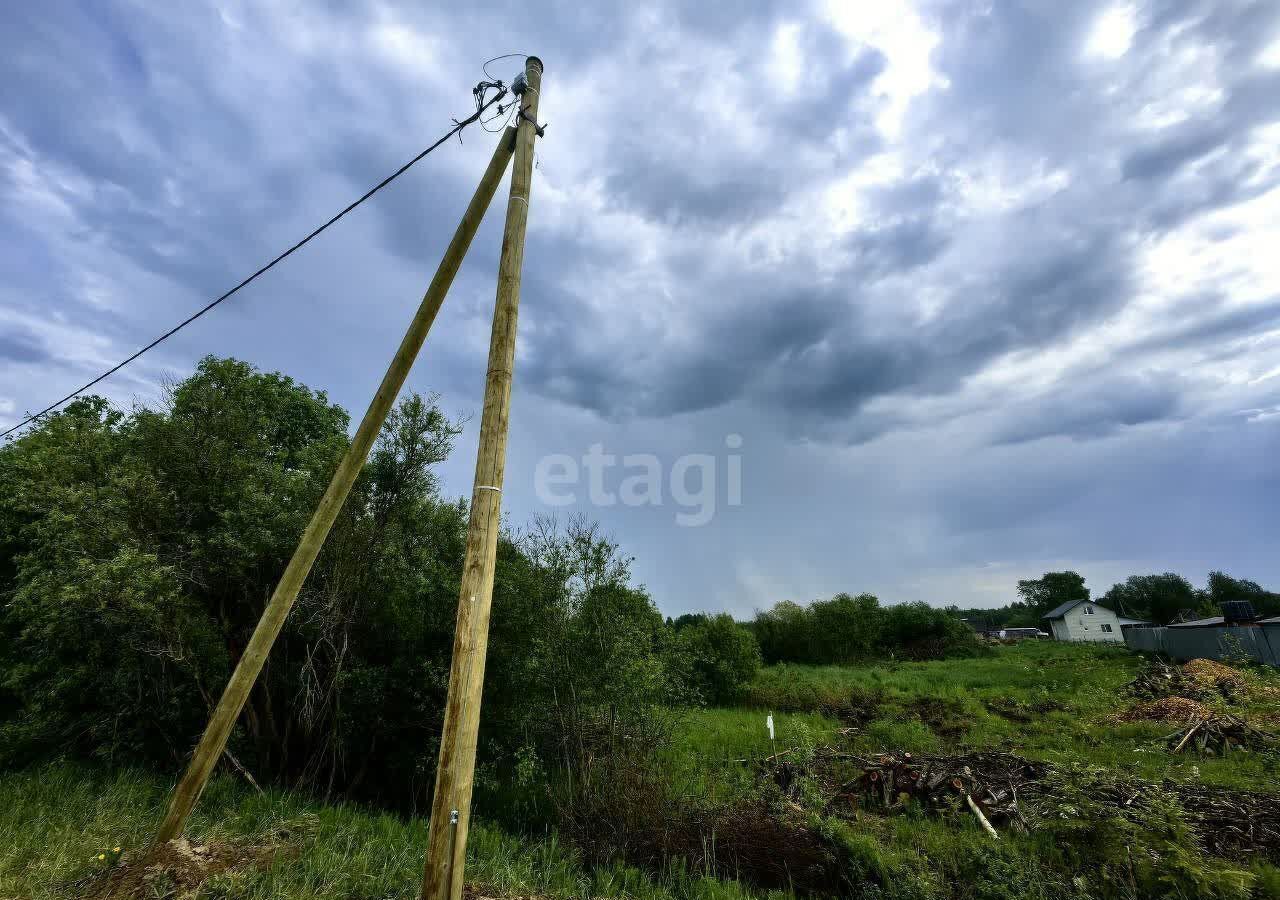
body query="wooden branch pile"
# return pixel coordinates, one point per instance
(1159, 679)
(984, 785)
(1219, 735)
(1005, 790)
(1229, 822)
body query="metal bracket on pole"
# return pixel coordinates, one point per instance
(539, 130)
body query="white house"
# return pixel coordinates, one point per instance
(1084, 620)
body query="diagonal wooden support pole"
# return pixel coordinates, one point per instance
(209, 750)
(451, 806)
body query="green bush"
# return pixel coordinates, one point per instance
(137, 551)
(848, 629)
(715, 658)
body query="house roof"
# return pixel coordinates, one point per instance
(1059, 611)
(1200, 623)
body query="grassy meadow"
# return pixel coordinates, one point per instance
(1043, 701)
(56, 820)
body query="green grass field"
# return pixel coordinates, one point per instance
(1042, 700)
(1049, 702)
(57, 819)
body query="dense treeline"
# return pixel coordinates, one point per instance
(1159, 598)
(138, 550)
(848, 629)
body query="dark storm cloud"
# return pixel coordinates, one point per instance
(821, 355)
(111, 113)
(1171, 152)
(676, 196)
(1029, 302)
(812, 350)
(22, 346)
(1016, 75)
(897, 248)
(1201, 320)
(1092, 409)
(721, 239)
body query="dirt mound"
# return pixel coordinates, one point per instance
(1166, 709)
(174, 870)
(1213, 674)
(755, 842)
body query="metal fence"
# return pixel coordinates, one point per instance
(1262, 642)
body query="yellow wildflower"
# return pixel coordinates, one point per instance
(102, 856)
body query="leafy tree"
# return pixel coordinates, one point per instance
(1157, 598)
(715, 658)
(846, 629)
(920, 631)
(1223, 588)
(783, 632)
(137, 551)
(686, 619)
(1052, 589)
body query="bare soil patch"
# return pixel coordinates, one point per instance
(177, 869)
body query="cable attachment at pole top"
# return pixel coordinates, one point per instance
(539, 130)
(484, 87)
(480, 92)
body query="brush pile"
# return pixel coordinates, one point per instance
(1005, 791)
(178, 868)
(984, 785)
(1159, 679)
(1219, 735)
(1179, 695)
(1230, 823)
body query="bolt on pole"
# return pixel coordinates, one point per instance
(451, 805)
(214, 741)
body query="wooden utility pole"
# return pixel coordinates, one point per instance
(451, 806)
(214, 741)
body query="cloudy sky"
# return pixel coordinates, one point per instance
(968, 290)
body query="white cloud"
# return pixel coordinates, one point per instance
(1112, 32)
(896, 30)
(1270, 55)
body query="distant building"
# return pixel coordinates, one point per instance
(1085, 620)
(1022, 634)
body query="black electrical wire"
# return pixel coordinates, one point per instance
(485, 67)
(481, 106)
